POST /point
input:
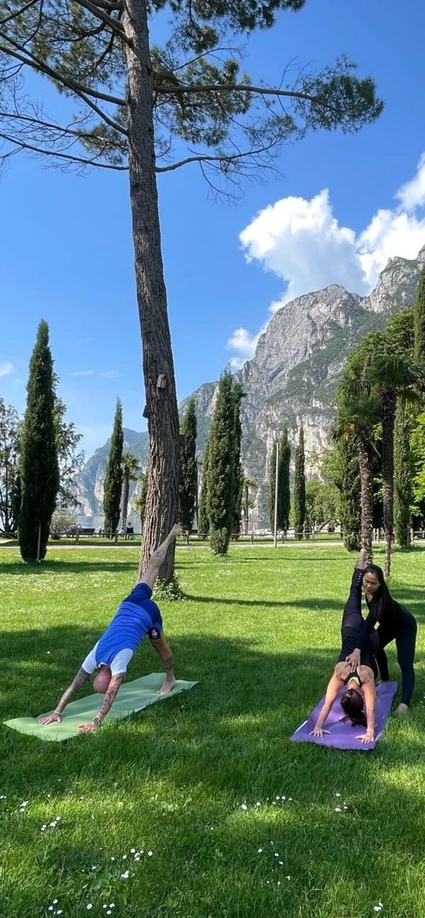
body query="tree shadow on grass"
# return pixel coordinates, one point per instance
(68, 567)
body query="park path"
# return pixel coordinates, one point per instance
(135, 544)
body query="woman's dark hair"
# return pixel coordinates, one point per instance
(382, 603)
(352, 705)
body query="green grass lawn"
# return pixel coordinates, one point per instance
(233, 820)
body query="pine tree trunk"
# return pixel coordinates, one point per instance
(366, 496)
(388, 418)
(163, 422)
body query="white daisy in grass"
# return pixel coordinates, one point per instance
(260, 851)
(150, 853)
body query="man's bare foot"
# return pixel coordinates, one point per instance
(402, 709)
(167, 687)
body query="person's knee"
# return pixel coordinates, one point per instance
(102, 680)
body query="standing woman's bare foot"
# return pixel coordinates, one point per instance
(167, 687)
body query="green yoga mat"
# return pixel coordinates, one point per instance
(133, 696)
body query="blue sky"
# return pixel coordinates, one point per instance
(66, 249)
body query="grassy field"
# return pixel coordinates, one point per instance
(233, 820)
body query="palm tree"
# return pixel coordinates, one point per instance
(131, 466)
(357, 419)
(391, 376)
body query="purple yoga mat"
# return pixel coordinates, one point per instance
(343, 735)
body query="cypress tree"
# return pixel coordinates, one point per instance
(284, 491)
(114, 476)
(419, 321)
(203, 518)
(299, 487)
(221, 467)
(239, 475)
(272, 486)
(188, 479)
(402, 475)
(39, 468)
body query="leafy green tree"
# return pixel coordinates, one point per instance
(39, 469)
(284, 485)
(134, 102)
(322, 505)
(114, 476)
(188, 481)
(70, 459)
(248, 486)
(140, 501)
(299, 487)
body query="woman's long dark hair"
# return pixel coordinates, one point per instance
(352, 705)
(382, 603)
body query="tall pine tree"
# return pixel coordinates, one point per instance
(419, 321)
(39, 470)
(114, 476)
(349, 488)
(299, 487)
(403, 473)
(203, 517)
(188, 479)
(221, 467)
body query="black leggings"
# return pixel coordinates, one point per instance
(405, 639)
(352, 624)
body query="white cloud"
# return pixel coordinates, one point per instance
(109, 374)
(244, 344)
(302, 242)
(82, 373)
(6, 368)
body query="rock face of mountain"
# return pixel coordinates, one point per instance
(92, 478)
(296, 368)
(291, 379)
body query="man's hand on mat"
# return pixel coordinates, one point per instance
(367, 737)
(319, 731)
(54, 718)
(353, 659)
(88, 728)
(166, 687)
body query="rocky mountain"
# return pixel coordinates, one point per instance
(92, 477)
(296, 368)
(292, 377)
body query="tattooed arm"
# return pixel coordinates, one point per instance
(108, 700)
(56, 717)
(166, 654)
(150, 574)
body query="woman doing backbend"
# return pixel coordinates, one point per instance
(394, 621)
(360, 683)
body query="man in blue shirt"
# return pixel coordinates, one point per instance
(137, 616)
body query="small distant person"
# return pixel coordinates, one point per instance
(100, 532)
(130, 531)
(136, 616)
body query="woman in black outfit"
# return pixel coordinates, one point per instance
(394, 622)
(358, 700)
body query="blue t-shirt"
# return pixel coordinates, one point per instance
(136, 616)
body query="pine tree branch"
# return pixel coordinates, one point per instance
(18, 13)
(57, 128)
(174, 89)
(25, 145)
(110, 21)
(22, 54)
(205, 158)
(80, 91)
